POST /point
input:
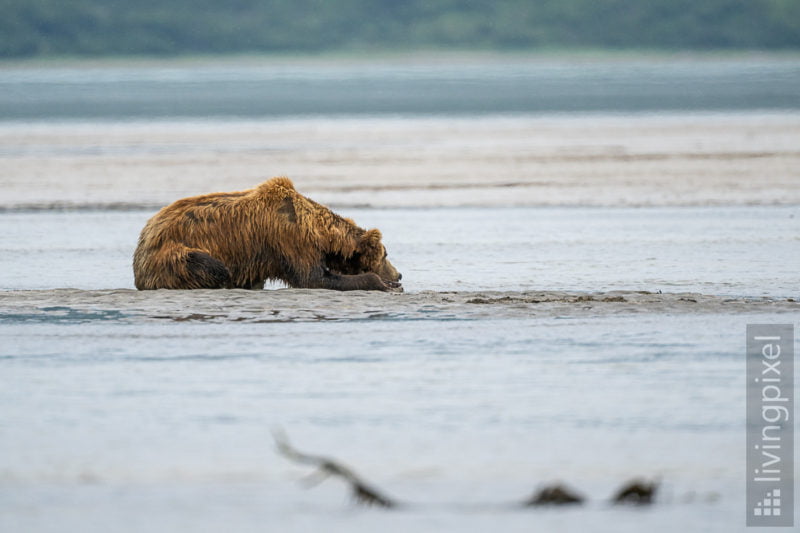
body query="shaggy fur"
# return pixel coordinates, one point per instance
(271, 232)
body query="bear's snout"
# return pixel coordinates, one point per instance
(388, 272)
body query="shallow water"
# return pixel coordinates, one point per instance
(118, 418)
(121, 425)
(738, 251)
(503, 84)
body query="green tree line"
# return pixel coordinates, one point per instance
(167, 27)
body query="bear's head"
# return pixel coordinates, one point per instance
(369, 256)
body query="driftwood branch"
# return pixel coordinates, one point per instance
(363, 493)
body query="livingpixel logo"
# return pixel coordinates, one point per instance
(770, 505)
(770, 425)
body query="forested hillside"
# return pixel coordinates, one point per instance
(165, 27)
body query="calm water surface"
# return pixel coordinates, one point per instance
(738, 251)
(108, 425)
(372, 87)
(115, 424)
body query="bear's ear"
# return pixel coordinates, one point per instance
(370, 247)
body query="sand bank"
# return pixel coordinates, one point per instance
(604, 160)
(303, 305)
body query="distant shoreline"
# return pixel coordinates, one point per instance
(405, 56)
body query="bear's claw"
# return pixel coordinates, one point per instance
(392, 286)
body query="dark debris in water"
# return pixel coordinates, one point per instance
(636, 492)
(189, 318)
(547, 299)
(555, 495)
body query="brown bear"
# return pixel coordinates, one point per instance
(271, 232)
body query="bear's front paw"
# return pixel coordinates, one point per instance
(392, 286)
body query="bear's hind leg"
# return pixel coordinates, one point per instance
(206, 272)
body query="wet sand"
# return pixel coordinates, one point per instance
(679, 159)
(305, 305)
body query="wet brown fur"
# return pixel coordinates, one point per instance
(271, 232)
